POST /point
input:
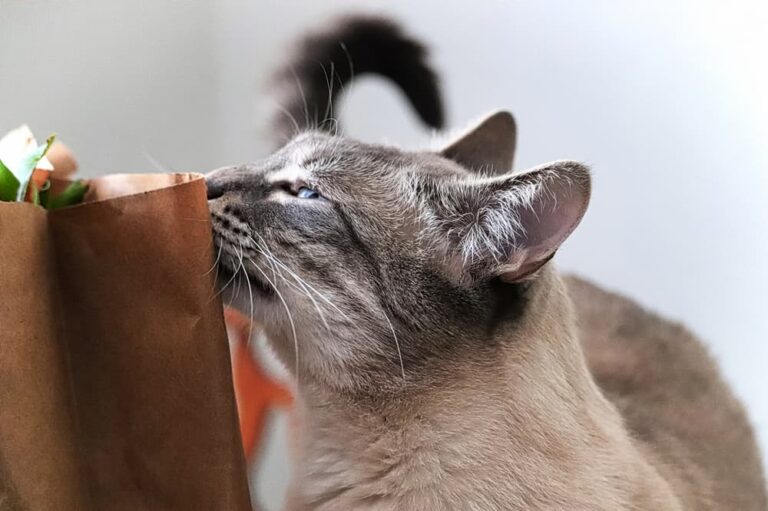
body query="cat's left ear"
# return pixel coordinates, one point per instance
(510, 226)
(488, 147)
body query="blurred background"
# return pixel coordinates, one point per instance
(667, 101)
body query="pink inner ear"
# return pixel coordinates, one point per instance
(552, 216)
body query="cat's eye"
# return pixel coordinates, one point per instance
(307, 193)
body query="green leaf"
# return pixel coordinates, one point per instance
(44, 194)
(35, 195)
(72, 194)
(27, 166)
(9, 185)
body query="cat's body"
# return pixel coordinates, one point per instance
(484, 436)
(440, 361)
(673, 400)
(482, 439)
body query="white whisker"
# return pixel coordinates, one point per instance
(240, 265)
(303, 97)
(215, 263)
(220, 291)
(304, 282)
(272, 260)
(289, 115)
(159, 166)
(250, 300)
(287, 311)
(397, 343)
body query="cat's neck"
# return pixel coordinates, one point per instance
(533, 420)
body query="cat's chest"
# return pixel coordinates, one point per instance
(379, 469)
(417, 468)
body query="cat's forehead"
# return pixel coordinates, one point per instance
(322, 156)
(313, 149)
(332, 160)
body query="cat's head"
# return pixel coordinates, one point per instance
(364, 262)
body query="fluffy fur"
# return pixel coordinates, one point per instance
(439, 361)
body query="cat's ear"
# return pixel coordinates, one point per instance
(510, 226)
(487, 147)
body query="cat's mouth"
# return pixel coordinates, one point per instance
(238, 271)
(239, 277)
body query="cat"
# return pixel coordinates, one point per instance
(440, 359)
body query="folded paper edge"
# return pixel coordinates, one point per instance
(178, 179)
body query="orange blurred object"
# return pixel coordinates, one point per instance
(256, 392)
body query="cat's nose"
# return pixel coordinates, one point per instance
(215, 190)
(241, 181)
(216, 184)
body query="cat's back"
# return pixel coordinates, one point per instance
(673, 399)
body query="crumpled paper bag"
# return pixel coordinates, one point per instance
(115, 378)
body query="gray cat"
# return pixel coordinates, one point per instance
(441, 362)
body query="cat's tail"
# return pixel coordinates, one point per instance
(308, 86)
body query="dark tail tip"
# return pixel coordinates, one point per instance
(378, 45)
(355, 45)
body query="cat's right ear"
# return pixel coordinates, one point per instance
(488, 147)
(509, 226)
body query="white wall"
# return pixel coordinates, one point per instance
(119, 81)
(665, 100)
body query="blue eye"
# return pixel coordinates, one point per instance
(307, 193)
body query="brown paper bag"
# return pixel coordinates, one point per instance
(115, 382)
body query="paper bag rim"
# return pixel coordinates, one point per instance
(186, 178)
